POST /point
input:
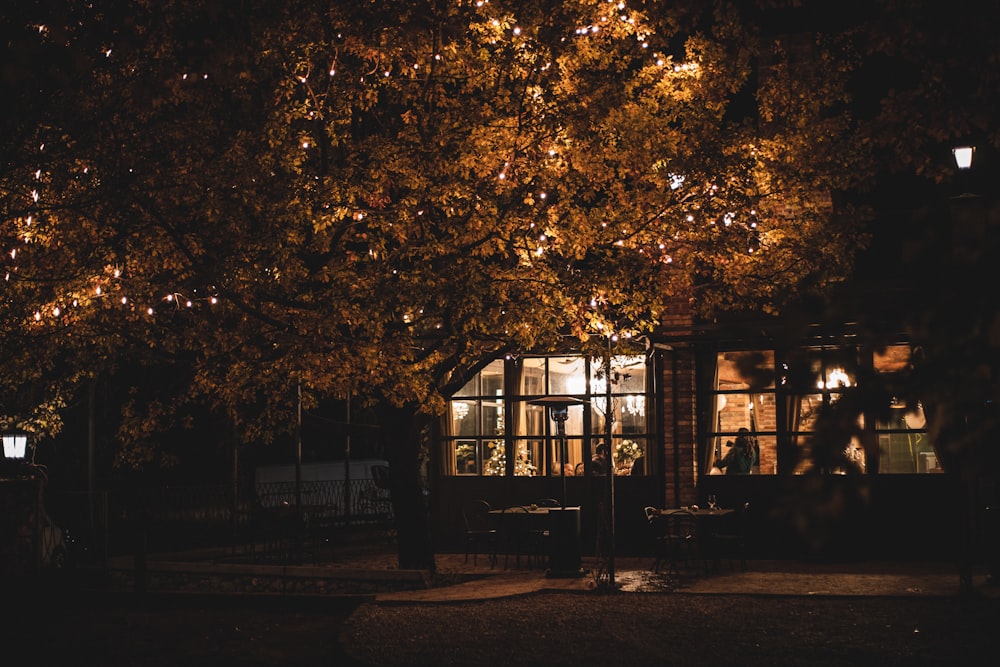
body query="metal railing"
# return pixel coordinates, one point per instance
(274, 521)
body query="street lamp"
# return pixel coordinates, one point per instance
(963, 156)
(15, 445)
(969, 228)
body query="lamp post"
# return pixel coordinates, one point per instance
(564, 526)
(609, 489)
(968, 212)
(973, 229)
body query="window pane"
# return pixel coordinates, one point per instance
(465, 458)
(805, 410)
(758, 415)
(746, 400)
(465, 418)
(902, 416)
(631, 413)
(631, 374)
(574, 455)
(524, 462)
(493, 418)
(494, 460)
(492, 379)
(532, 451)
(903, 444)
(629, 456)
(533, 377)
(746, 369)
(534, 420)
(471, 388)
(893, 359)
(567, 375)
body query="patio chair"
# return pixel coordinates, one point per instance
(674, 536)
(479, 533)
(658, 527)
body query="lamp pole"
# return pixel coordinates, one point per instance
(559, 416)
(609, 418)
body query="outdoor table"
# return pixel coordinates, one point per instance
(563, 526)
(707, 524)
(699, 513)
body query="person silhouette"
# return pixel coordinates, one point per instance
(742, 455)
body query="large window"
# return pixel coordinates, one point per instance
(743, 398)
(484, 425)
(629, 437)
(903, 445)
(814, 380)
(786, 402)
(474, 425)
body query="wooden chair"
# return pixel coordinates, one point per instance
(674, 536)
(479, 532)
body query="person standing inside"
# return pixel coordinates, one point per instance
(599, 462)
(741, 457)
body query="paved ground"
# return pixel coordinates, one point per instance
(479, 581)
(760, 578)
(791, 613)
(462, 579)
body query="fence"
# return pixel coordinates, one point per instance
(274, 521)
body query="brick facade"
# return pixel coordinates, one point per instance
(680, 444)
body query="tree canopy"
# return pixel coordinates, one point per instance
(370, 199)
(373, 198)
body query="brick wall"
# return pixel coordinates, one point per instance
(679, 425)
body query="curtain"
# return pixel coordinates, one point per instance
(448, 463)
(756, 403)
(513, 391)
(708, 381)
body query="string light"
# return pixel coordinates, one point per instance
(616, 10)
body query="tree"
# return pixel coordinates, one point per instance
(925, 84)
(373, 199)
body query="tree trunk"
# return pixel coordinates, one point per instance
(402, 430)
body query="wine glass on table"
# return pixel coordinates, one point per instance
(712, 502)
